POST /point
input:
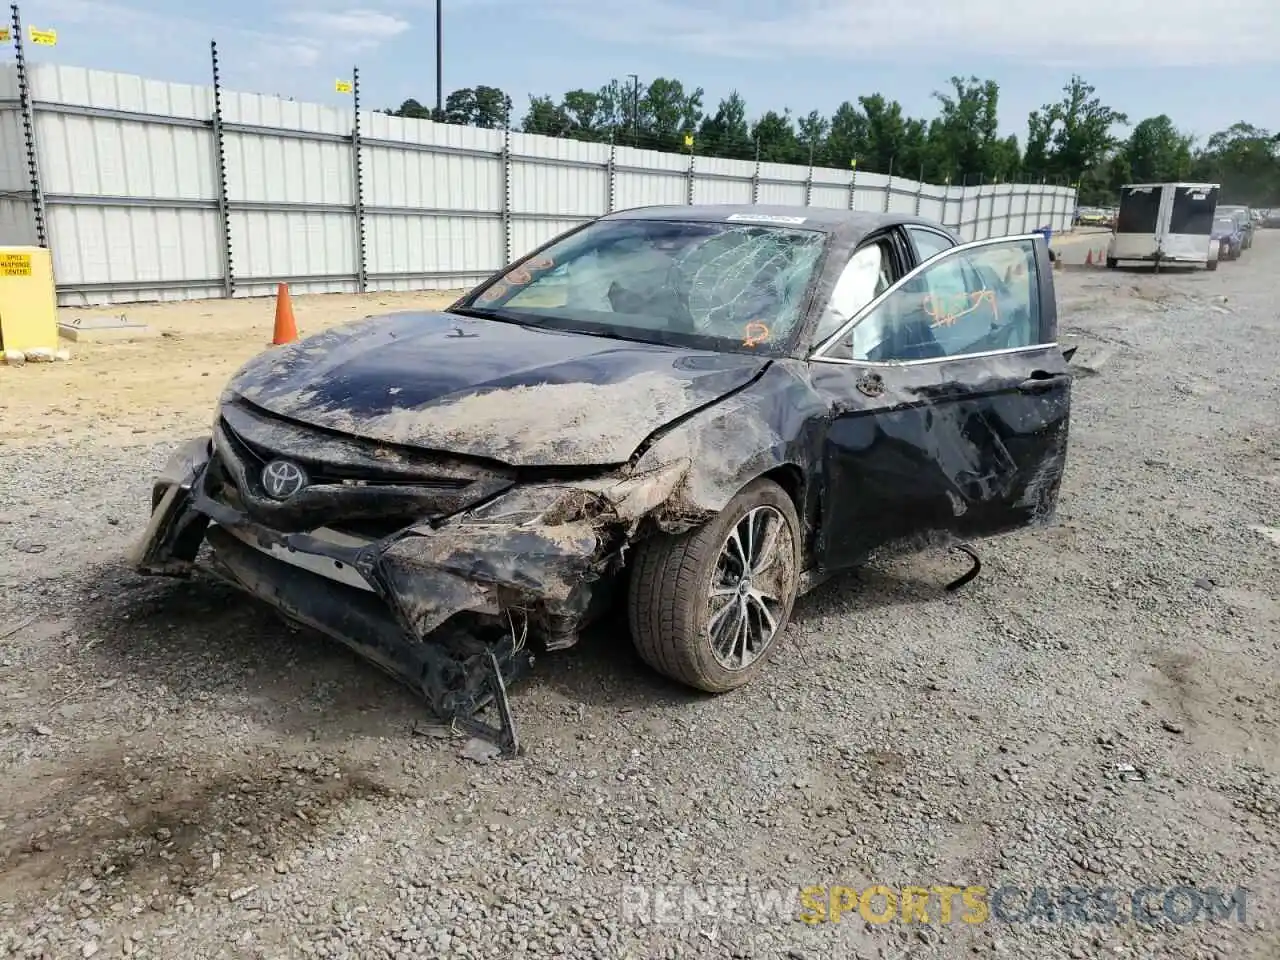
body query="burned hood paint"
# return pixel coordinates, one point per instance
(485, 388)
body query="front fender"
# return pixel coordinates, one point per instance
(730, 444)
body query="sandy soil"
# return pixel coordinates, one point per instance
(117, 390)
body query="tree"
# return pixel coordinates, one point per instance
(812, 136)
(726, 131)
(1156, 152)
(1073, 139)
(776, 138)
(588, 115)
(1076, 132)
(1039, 129)
(1246, 160)
(413, 109)
(481, 106)
(963, 138)
(893, 143)
(546, 117)
(846, 136)
(670, 112)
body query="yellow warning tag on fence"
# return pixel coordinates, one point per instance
(5, 35)
(45, 38)
(688, 139)
(342, 86)
(15, 264)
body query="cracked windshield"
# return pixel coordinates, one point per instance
(715, 284)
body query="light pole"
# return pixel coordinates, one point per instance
(635, 109)
(439, 60)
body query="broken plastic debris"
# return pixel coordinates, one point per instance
(1130, 773)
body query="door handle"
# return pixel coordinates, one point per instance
(1042, 382)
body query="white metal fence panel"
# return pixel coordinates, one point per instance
(156, 190)
(17, 228)
(720, 180)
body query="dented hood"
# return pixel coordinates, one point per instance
(485, 388)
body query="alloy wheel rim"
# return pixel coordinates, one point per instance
(749, 588)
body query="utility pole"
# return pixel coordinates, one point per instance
(635, 109)
(439, 60)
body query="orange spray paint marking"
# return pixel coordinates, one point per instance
(519, 276)
(755, 333)
(965, 304)
(493, 293)
(540, 263)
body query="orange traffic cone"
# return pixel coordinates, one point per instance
(1088, 260)
(286, 329)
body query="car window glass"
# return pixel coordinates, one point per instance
(929, 243)
(732, 284)
(865, 277)
(977, 300)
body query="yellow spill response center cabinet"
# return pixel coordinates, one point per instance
(28, 302)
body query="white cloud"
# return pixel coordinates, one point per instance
(276, 46)
(311, 35)
(297, 54)
(1082, 33)
(357, 25)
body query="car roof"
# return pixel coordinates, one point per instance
(850, 225)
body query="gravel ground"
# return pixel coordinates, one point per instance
(186, 777)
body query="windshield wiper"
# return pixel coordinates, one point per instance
(502, 316)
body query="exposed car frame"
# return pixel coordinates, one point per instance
(539, 541)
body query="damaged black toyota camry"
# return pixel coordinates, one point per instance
(698, 412)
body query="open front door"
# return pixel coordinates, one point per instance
(950, 402)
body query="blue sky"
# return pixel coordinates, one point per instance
(1206, 65)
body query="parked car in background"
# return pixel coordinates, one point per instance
(1093, 217)
(694, 412)
(1272, 219)
(1243, 217)
(1229, 237)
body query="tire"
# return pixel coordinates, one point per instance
(1211, 265)
(1111, 263)
(669, 603)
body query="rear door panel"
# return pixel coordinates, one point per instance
(1190, 222)
(1138, 223)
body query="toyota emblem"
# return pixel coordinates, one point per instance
(282, 479)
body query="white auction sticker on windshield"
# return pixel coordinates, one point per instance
(765, 218)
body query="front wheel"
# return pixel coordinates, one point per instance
(1211, 265)
(707, 607)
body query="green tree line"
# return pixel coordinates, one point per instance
(1078, 139)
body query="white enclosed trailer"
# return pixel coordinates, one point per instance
(1165, 223)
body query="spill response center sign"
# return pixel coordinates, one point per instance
(15, 264)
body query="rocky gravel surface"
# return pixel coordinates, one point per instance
(184, 776)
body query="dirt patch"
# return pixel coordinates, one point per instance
(114, 392)
(125, 824)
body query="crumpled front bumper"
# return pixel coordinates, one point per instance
(393, 600)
